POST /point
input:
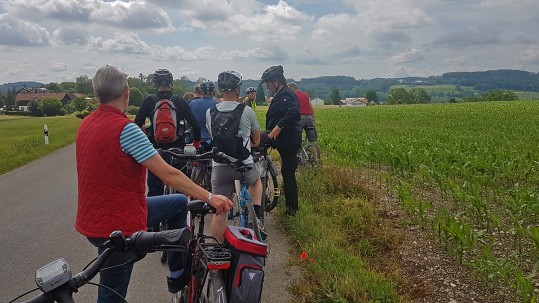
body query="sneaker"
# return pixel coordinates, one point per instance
(176, 285)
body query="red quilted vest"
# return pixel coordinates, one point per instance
(112, 184)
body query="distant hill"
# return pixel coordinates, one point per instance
(472, 82)
(4, 88)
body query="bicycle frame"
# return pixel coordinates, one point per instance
(208, 260)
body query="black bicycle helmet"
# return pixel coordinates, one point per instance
(207, 87)
(272, 73)
(162, 77)
(228, 80)
(250, 90)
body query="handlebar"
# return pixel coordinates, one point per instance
(140, 243)
(178, 153)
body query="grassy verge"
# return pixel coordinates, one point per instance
(337, 235)
(22, 139)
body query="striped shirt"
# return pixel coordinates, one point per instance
(136, 144)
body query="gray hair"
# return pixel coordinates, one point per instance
(109, 83)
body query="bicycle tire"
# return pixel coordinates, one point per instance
(313, 153)
(236, 220)
(214, 288)
(270, 191)
(251, 220)
(303, 157)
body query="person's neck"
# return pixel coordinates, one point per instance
(118, 104)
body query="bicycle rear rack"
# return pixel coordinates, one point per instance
(215, 255)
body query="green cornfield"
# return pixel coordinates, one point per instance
(469, 172)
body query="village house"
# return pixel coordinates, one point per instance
(355, 101)
(26, 95)
(317, 101)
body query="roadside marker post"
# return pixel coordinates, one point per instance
(46, 132)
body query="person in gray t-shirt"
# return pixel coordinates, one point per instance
(223, 175)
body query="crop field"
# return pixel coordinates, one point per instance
(445, 88)
(22, 138)
(528, 95)
(468, 172)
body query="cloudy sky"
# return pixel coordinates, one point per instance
(59, 40)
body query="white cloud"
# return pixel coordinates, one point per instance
(58, 67)
(409, 56)
(530, 55)
(14, 31)
(269, 52)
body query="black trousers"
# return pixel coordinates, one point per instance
(288, 153)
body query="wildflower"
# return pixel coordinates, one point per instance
(303, 256)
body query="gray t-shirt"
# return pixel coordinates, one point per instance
(248, 124)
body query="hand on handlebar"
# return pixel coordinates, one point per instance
(274, 132)
(221, 204)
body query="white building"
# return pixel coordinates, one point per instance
(317, 101)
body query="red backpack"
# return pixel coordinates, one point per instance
(164, 120)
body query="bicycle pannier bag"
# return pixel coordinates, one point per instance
(225, 127)
(246, 273)
(164, 122)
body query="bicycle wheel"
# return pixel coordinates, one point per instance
(303, 157)
(313, 153)
(234, 214)
(270, 191)
(214, 289)
(253, 222)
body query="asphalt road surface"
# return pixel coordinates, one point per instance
(38, 204)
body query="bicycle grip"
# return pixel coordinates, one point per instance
(144, 242)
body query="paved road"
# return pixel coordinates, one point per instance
(38, 207)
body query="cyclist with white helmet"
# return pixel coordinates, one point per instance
(250, 98)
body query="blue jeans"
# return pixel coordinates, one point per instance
(171, 208)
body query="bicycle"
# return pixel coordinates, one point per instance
(189, 156)
(55, 279)
(309, 153)
(268, 176)
(243, 214)
(208, 261)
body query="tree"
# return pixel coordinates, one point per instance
(83, 85)
(53, 86)
(79, 104)
(2, 100)
(335, 95)
(51, 107)
(399, 96)
(260, 96)
(500, 95)
(10, 99)
(135, 97)
(372, 96)
(419, 95)
(34, 108)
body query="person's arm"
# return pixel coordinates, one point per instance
(255, 129)
(255, 137)
(134, 143)
(180, 182)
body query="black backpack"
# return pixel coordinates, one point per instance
(224, 130)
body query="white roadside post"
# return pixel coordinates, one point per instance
(46, 132)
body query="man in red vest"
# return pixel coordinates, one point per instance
(112, 157)
(307, 113)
